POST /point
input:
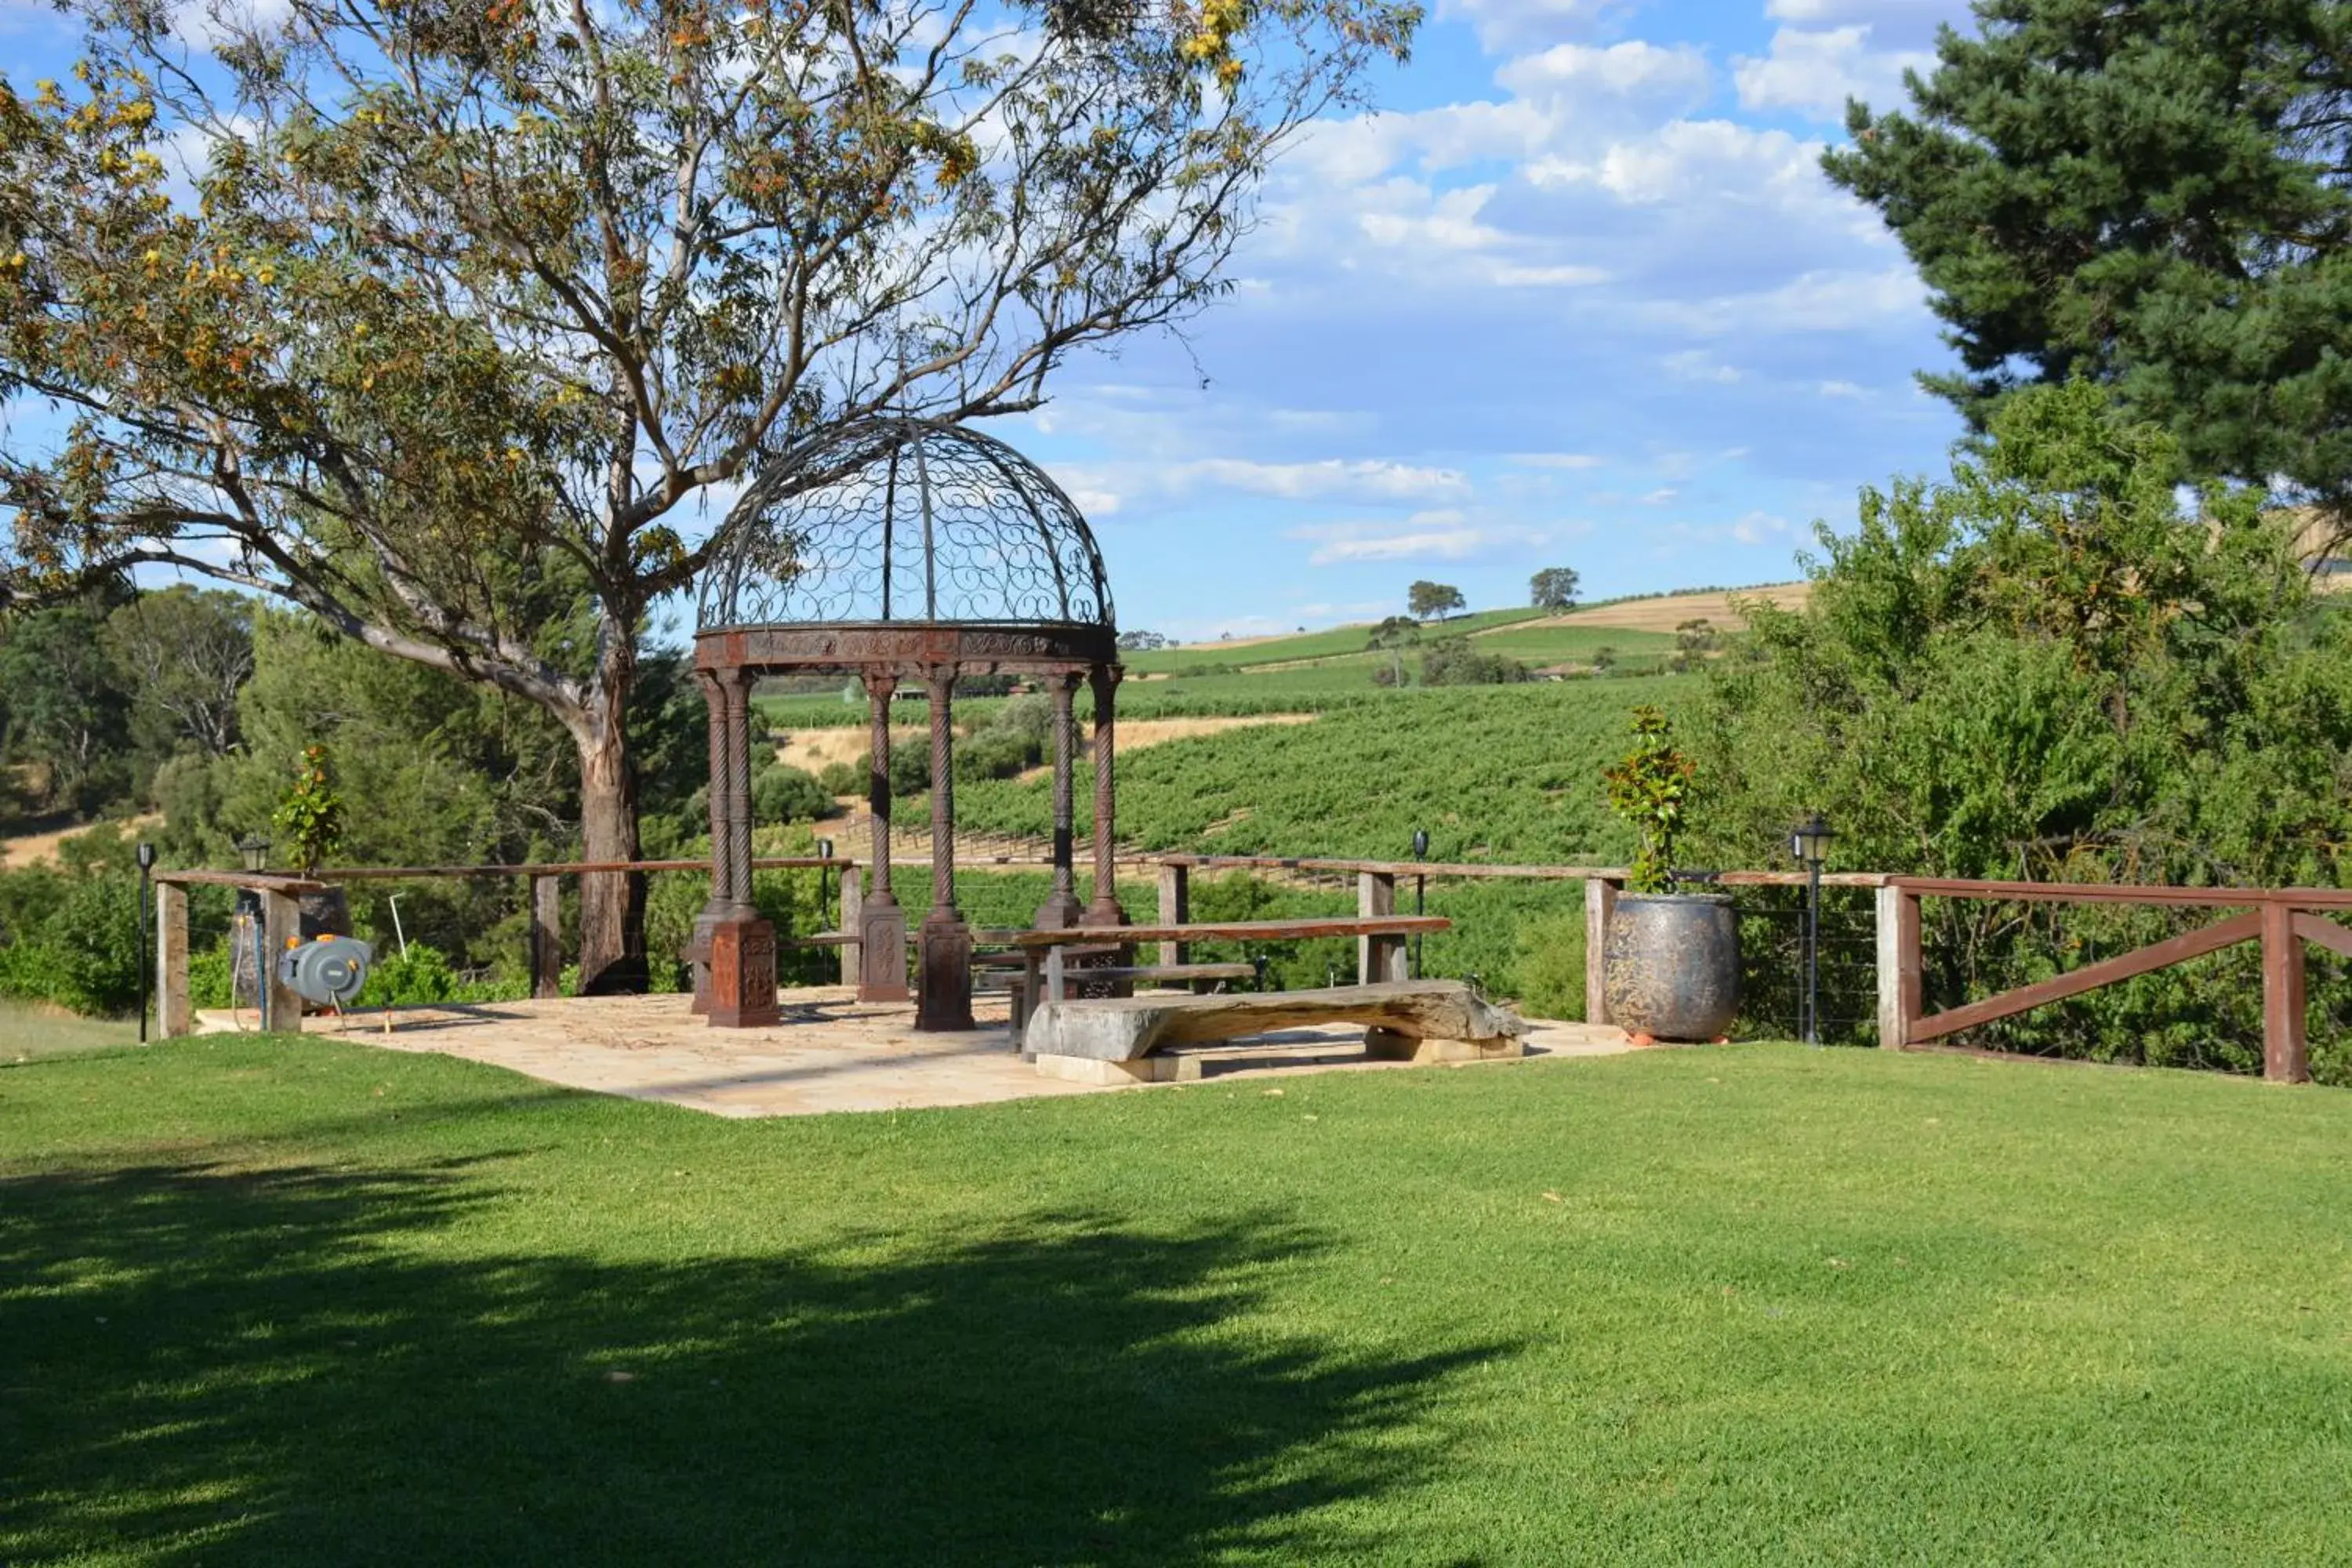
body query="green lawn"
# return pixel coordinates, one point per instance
(277, 1303)
(27, 1031)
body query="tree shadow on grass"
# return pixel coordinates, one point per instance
(309, 1365)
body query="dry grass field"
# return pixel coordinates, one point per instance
(1664, 614)
(31, 848)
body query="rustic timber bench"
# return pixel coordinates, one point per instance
(1116, 1040)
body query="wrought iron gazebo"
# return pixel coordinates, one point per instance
(898, 549)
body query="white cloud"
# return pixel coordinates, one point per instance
(1444, 534)
(1505, 22)
(1695, 364)
(1813, 73)
(1557, 460)
(1840, 389)
(1569, 75)
(1332, 479)
(1813, 302)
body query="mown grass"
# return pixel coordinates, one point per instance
(29, 1030)
(263, 1302)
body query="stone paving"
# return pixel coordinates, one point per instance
(828, 1053)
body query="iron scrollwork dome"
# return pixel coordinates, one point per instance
(906, 521)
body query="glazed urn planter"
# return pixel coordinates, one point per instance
(1671, 965)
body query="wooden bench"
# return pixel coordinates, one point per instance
(1118, 1039)
(1384, 937)
(1018, 986)
(1111, 1039)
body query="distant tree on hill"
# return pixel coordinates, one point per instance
(1429, 600)
(1693, 641)
(1393, 636)
(1604, 659)
(1455, 661)
(1553, 588)
(1140, 641)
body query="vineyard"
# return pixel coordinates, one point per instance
(1505, 773)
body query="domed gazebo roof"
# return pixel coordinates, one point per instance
(906, 522)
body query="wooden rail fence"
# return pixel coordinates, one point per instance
(2281, 920)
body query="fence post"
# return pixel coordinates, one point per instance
(1376, 895)
(1898, 966)
(546, 937)
(2286, 1057)
(853, 916)
(173, 1016)
(1175, 907)
(281, 922)
(1600, 903)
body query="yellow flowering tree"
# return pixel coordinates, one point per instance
(456, 321)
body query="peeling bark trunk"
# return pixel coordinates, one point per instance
(612, 904)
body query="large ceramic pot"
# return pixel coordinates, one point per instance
(1671, 965)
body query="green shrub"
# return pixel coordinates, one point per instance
(783, 794)
(997, 754)
(1454, 661)
(211, 977)
(844, 778)
(1548, 966)
(419, 977)
(70, 941)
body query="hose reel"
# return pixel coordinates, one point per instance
(328, 971)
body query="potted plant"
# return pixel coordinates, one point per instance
(1670, 958)
(310, 818)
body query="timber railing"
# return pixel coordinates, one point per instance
(2281, 919)
(279, 894)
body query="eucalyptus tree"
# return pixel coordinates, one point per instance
(467, 324)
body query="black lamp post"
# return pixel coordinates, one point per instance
(1809, 842)
(824, 876)
(145, 855)
(1419, 852)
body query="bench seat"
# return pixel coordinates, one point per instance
(1109, 1039)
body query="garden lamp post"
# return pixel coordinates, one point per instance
(1419, 852)
(145, 856)
(1809, 842)
(824, 876)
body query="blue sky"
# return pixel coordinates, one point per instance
(1580, 295)
(1577, 294)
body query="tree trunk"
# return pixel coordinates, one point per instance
(611, 906)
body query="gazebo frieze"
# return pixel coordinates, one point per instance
(906, 649)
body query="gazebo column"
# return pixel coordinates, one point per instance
(882, 925)
(1062, 908)
(720, 900)
(742, 946)
(944, 1004)
(1105, 910)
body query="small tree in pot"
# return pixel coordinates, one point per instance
(1671, 960)
(309, 818)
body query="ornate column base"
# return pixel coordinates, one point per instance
(742, 973)
(882, 952)
(1059, 911)
(944, 1004)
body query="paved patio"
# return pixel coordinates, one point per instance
(828, 1053)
